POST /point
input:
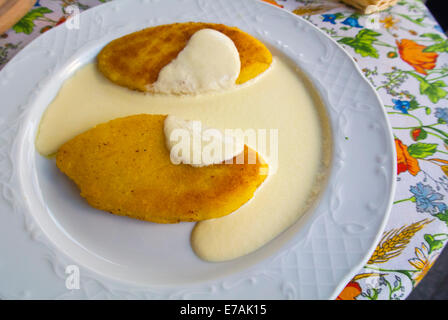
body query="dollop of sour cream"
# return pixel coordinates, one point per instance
(189, 142)
(209, 62)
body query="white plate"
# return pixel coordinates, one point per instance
(44, 227)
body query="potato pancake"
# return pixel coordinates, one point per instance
(135, 60)
(124, 167)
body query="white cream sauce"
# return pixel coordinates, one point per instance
(279, 99)
(209, 62)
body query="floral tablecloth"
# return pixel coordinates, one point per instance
(404, 53)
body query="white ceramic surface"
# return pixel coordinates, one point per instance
(45, 226)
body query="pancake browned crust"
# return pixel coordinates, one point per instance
(123, 166)
(135, 60)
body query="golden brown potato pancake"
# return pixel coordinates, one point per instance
(124, 167)
(135, 60)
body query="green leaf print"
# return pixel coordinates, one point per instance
(413, 104)
(433, 243)
(362, 43)
(422, 150)
(441, 44)
(433, 36)
(438, 47)
(443, 216)
(417, 20)
(26, 24)
(433, 90)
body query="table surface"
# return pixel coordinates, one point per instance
(404, 54)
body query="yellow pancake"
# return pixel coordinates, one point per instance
(135, 60)
(124, 167)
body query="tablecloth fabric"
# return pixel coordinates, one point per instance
(404, 54)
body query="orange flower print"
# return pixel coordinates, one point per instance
(412, 53)
(350, 292)
(405, 162)
(423, 262)
(389, 22)
(273, 2)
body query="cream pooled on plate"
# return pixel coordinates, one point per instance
(189, 142)
(209, 62)
(304, 144)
